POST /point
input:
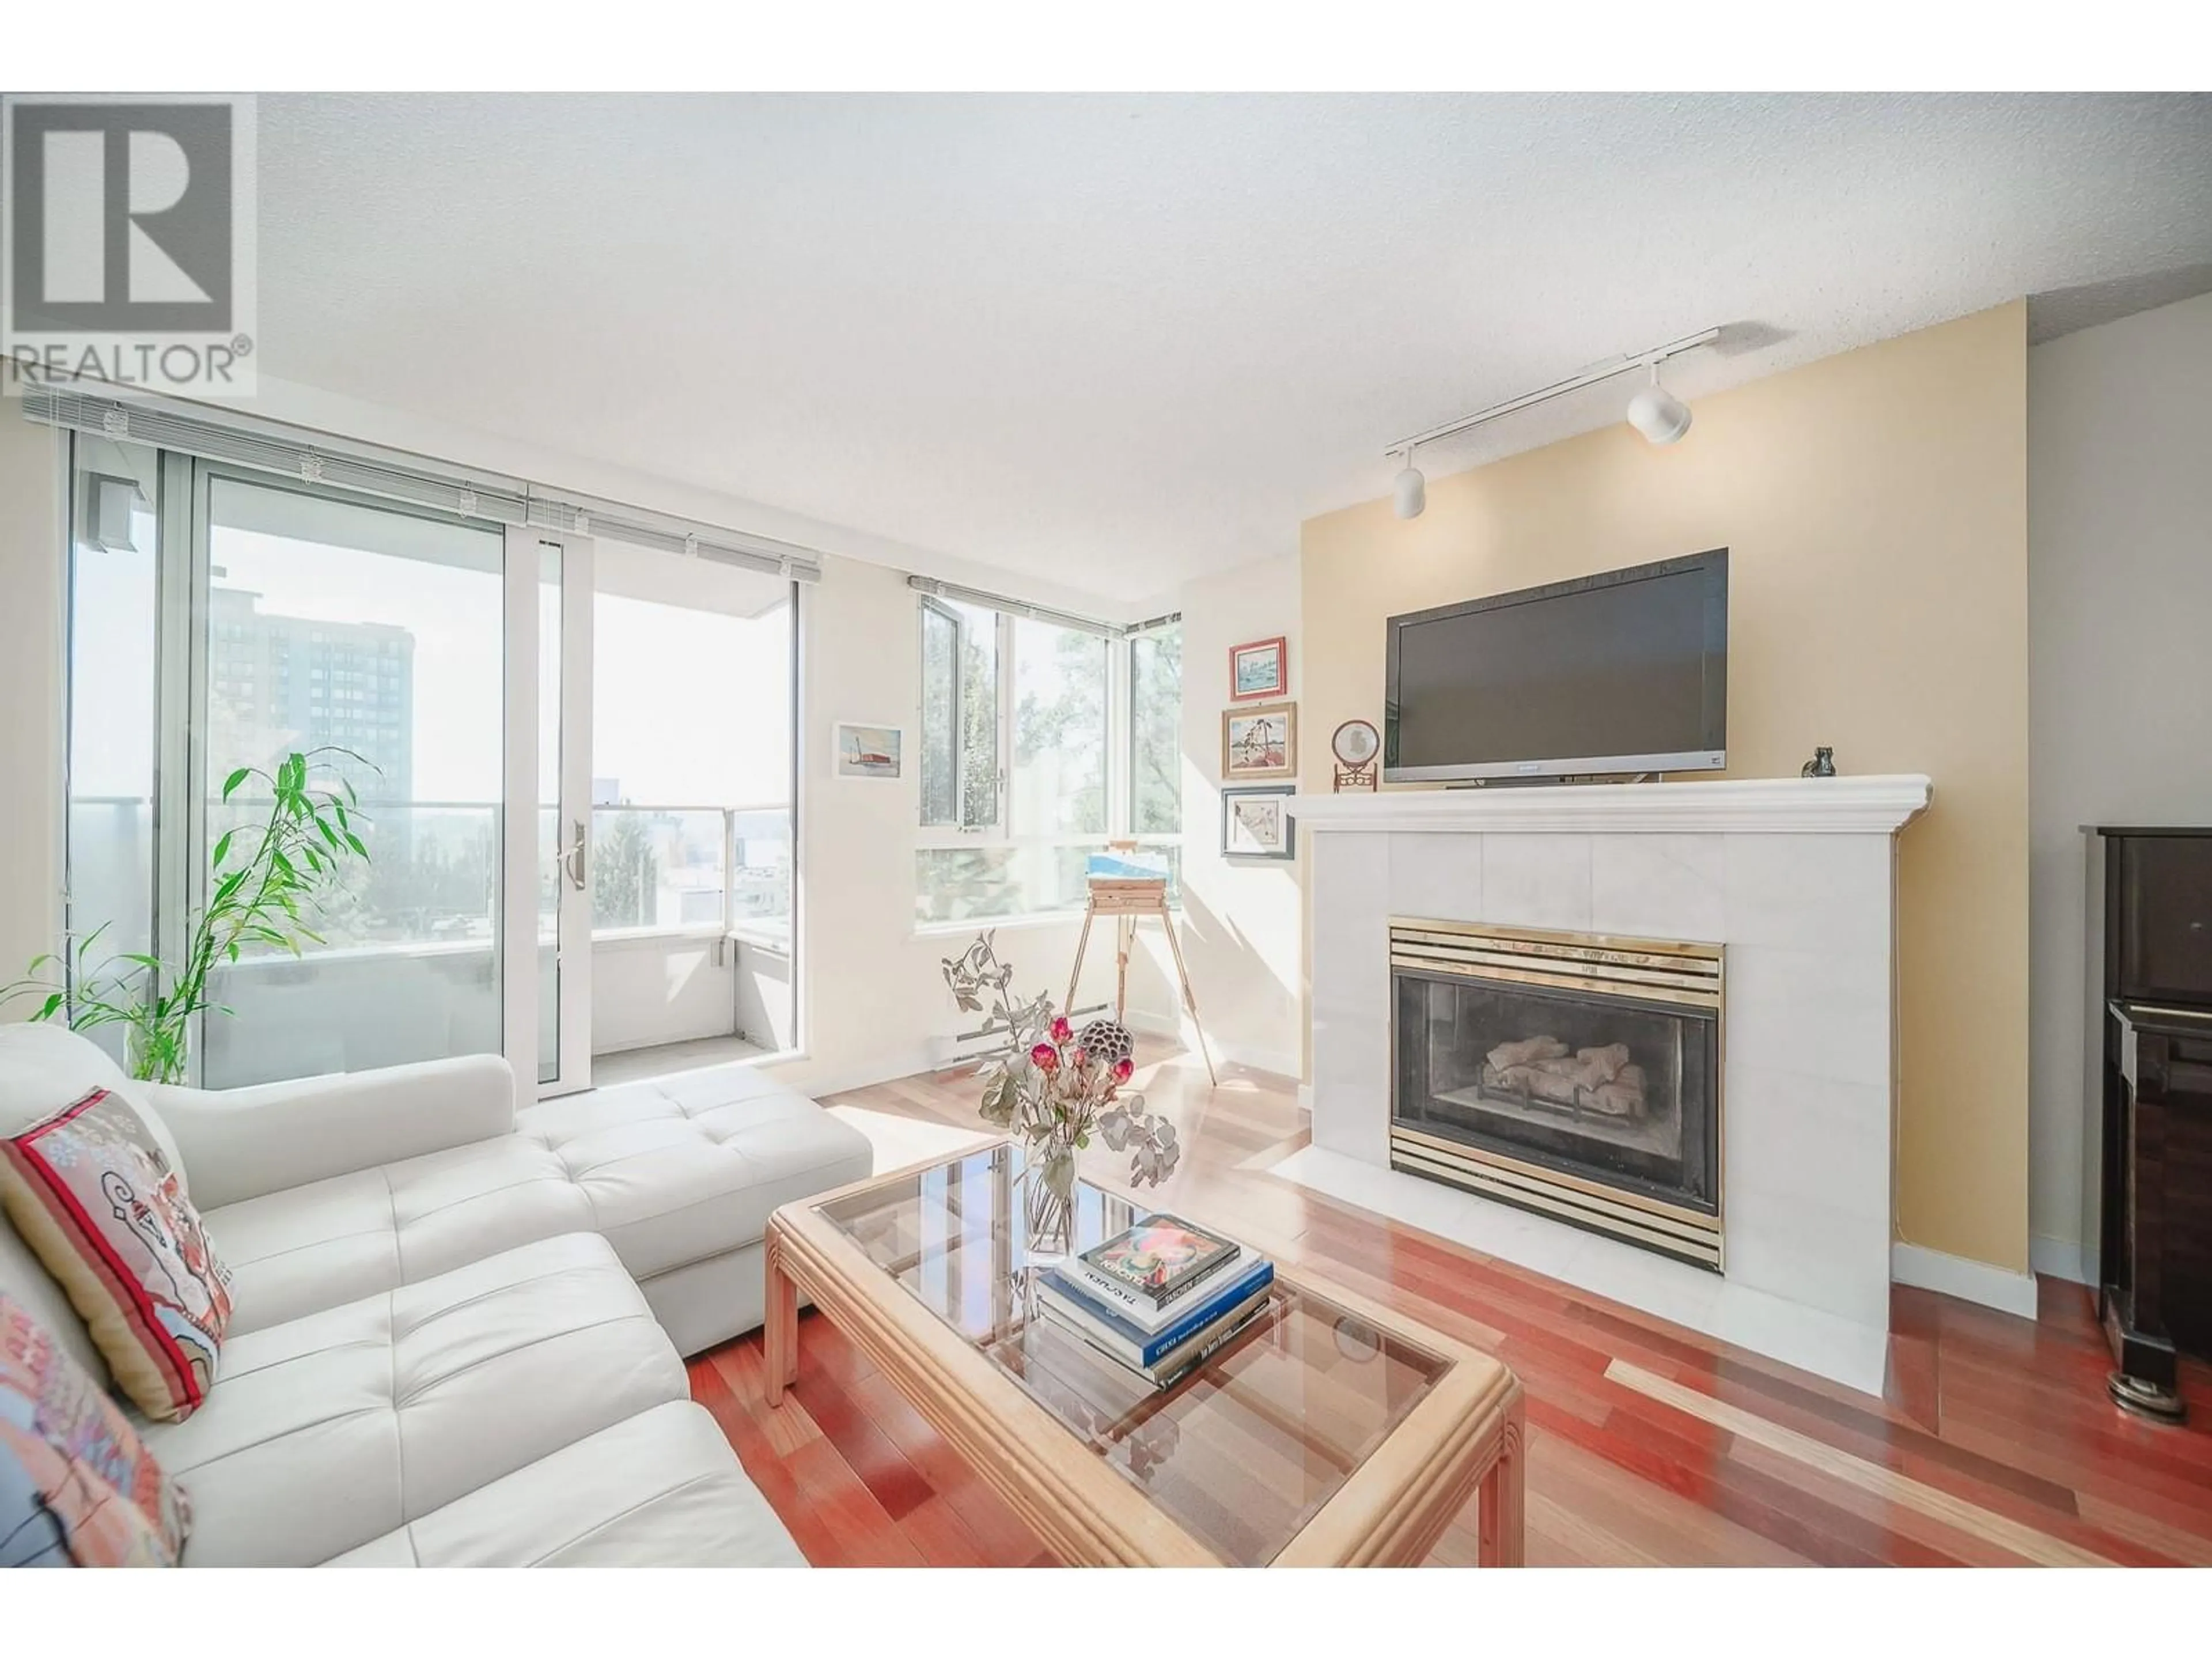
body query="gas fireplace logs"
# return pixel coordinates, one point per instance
(1540, 1069)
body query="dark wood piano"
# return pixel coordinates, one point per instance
(2152, 1129)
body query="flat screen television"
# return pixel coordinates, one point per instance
(1626, 671)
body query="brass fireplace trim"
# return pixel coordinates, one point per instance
(1688, 1236)
(1686, 973)
(1660, 970)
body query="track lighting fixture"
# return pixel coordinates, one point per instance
(1656, 412)
(1411, 488)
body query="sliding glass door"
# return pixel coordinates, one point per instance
(455, 680)
(431, 671)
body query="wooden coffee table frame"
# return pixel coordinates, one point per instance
(1465, 1435)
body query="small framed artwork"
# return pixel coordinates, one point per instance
(1255, 823)
(1259, 743)
(1261, 669)
(868, 752)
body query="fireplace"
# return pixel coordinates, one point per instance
(1573, 1075)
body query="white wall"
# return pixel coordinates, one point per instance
(1241, 924)
(873, 1002)
(2119, 497)
(31, 520)
(657, 989)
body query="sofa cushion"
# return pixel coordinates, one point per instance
(39, 1064)
(686, 1167)
(77, 1486)
(672, 1172)
(330, 1430)
(90, 1190)
(662, 1490)
(306, 1249)
(43, 1063)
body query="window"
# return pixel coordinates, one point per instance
(959, 755)
(1028, 754)
(1155, 732)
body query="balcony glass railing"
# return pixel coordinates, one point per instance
(687, 868)
(432, 878)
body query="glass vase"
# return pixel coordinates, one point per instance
(1049, 1236)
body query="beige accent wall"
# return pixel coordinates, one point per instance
(1875, 506)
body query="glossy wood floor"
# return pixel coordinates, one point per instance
(1648, 1443)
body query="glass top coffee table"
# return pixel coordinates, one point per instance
(1331, 1430)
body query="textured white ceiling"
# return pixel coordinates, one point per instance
(1122, 340)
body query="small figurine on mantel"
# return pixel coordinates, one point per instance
(1822, 765)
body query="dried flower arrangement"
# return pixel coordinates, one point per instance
(1056, 1087)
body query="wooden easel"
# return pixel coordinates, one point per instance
(1125, 899)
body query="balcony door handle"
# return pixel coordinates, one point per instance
(573, 859)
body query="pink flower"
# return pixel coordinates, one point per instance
(1124, 1069)
(1045, 1057)
(1061, 1030)
(1079, 1058)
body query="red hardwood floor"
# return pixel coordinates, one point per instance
(1648, 1443)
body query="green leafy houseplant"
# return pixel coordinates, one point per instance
(266, 877)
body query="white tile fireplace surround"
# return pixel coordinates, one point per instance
(1797, 878)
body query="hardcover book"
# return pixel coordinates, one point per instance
(1137, 1306)
(1177, 1362)
(1160, 1257)
(1137, 1345)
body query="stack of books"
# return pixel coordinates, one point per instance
(1159, 1299)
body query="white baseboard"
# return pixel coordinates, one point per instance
(2061, 1258)
(1970, 1281)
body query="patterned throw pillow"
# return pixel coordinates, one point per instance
(94, 1197)
(77, 1487)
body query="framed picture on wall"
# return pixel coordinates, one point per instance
(1255, 823)
(1261, 669)
(868, 752)
(1259, 743)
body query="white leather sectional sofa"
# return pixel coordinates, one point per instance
(456, 1327)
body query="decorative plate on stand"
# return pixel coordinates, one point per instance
(1355, 745)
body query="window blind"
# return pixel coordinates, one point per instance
(316, 458)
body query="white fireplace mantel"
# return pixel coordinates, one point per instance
(1794, 878)
(1880, 804)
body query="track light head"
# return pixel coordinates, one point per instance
(1657, 413)
(1410, 490)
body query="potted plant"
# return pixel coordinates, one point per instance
(265, 877)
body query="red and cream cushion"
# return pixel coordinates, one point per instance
(77, 1486)
(94, 1195)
